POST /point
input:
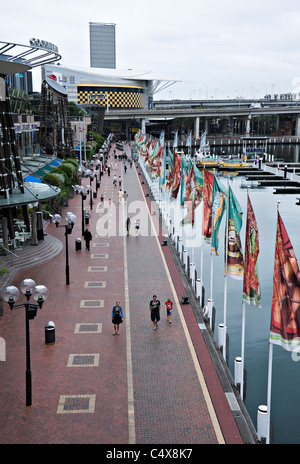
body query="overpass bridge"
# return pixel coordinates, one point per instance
(212, 112)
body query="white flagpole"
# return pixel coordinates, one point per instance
(243, 349)
(244, 319)
(225, 275)
(269, 391)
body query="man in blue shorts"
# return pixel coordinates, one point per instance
(154, 311)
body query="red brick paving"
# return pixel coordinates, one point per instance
(169, 404)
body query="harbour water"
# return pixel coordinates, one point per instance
(285, 407)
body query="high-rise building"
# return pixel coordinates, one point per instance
(102, 45)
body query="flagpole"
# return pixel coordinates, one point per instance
(243, 350)
(269, 391)
(225, 275)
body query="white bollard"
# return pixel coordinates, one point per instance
(184, 258)
(221, 335)
(238, 374)
(210, 303)
(262, 422)
(199, 288)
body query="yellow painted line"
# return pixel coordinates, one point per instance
(198, 369)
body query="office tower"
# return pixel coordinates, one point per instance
(102, 45)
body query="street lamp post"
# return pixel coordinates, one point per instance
(40, 294)
(83, 190)
(71, 219)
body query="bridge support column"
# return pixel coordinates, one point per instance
(248, 125)
(143, 125)
(297, 128)
(206, 126)
(196, 127)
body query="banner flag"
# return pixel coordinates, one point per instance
(203, 139)
(170, 170)
(208, 179)
(194, 192)
(185, 169)
(176, 175)
(162, 173)
(235, 261)
(162, 139)
(219, 198)
(251, 285)
(285, 310)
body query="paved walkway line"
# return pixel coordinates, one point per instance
(130, 398)
(198, 369)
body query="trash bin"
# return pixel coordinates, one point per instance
(95, 194)
(49, 332)
(87, 218)
(78, 244)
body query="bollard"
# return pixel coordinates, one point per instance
(198, 288)
(221, 335)
(49, 332)
(238, 374)
(262, 422)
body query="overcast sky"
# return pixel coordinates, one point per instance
(216, 49)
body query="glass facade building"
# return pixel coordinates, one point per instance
(102, 45)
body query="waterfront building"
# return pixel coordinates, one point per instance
(102, 45)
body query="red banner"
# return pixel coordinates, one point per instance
(208, 180)
(285, 311)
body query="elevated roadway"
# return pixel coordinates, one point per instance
(142, 113)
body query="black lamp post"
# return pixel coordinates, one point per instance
(91, 193)
(83, 190)
(71, 219)
(40, 294)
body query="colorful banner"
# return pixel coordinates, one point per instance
(170, 171)
(235, 261)
(194, 191)
(218, 207)
(285, 311)
(208, 179)
(162, 173)
(251, 286)
(185, 169)
(176, 175)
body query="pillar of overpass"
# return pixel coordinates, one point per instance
(196, 127)
(206, 125)
(248, 125)
(297, 127)
(143, 125)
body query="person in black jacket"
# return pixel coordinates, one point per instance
(87, 237)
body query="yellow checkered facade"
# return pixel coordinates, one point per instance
(118, 96)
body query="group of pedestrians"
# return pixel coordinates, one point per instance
(154, 306)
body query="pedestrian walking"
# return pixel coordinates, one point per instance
(169, 309)
(127, 224)
(101, 199)
(115, 180)
(125, 196)
(108, 170)
(117, 317)
(120, 195)
(87, 238)
(137, 227)
(154, 311)
(125, 168)
(120, 181)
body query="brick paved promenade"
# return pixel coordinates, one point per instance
(139, 387)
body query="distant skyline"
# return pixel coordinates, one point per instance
(215, 49)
